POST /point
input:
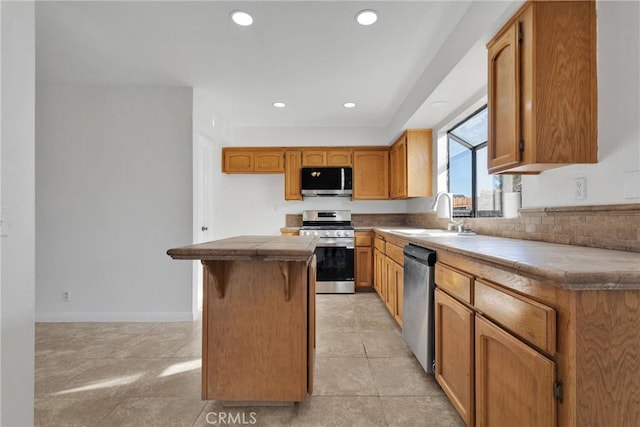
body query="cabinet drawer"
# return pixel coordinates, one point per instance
(395, 253)
(454, 282)
(363, 239)
(530, 320)
(380, 244)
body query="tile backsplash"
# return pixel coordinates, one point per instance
(601, 226)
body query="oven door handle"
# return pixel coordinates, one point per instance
(335, 245)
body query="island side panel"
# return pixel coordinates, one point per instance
(256, 338)
(311, 323)
(205, 332)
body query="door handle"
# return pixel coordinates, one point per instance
(204, 228)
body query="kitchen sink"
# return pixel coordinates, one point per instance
(421, 231)
(429, 232)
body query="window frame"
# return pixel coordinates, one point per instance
(474, 162)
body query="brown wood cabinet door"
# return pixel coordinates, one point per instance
(514, 382)
(314, 158)
(504, 101)
(454, 353)
(393, 179)
(370, 174)
(399, 281)
(378, 272)
(269, 161)
(292, 179)
(398, 163)
(364, 261)
(390, 294)
(338, 157)
(237, 161)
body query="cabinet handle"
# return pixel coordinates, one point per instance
(204, 228)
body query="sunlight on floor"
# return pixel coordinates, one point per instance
(114, 382)
(181, 367)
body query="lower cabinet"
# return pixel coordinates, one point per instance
(364, 259)
(390, 297)
(394, 282)
(395, 289)
(494, 351)
(379, 274)
(454, 353)
(514, 382)
(389, 275)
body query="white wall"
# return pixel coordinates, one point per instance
(114, 192)
(618, 121)
(254, 204)
(17, 283)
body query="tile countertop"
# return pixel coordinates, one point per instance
(267, 248)
(566, 266)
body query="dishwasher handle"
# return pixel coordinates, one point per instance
(420, 254)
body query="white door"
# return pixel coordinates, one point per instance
(203, 205)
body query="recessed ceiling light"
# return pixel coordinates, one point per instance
(241, 18)
(349, 104)
(279, 104)
(438, 104)
(367, 17)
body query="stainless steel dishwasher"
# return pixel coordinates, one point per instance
(418, 316)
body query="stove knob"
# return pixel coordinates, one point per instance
(315, 233)
(303, 233)
(327, 234)
(338, 233)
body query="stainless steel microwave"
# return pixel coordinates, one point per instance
(327, 181)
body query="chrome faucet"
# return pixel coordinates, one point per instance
(457, 225)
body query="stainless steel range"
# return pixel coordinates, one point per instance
(335, 253)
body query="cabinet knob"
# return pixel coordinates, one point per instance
(204, 228)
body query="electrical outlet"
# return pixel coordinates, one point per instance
(66, 295)
(580, 188)
(4, 223)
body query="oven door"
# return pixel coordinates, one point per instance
(335, 268)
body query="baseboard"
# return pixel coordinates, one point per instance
(118, 317)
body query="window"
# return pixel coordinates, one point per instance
(475, 192)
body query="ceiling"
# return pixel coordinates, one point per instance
(312, 55)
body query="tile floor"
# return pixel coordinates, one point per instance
(148, 374)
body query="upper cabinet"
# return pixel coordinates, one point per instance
(292, 178)
(542, 92)
(252, 160)
(370, 174)
(410, 159)
(326, 157)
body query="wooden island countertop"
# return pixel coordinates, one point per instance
(268, 248)
(258, 317)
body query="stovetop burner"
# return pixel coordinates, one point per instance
(327, 224)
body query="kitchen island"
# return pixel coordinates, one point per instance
(258, 326)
